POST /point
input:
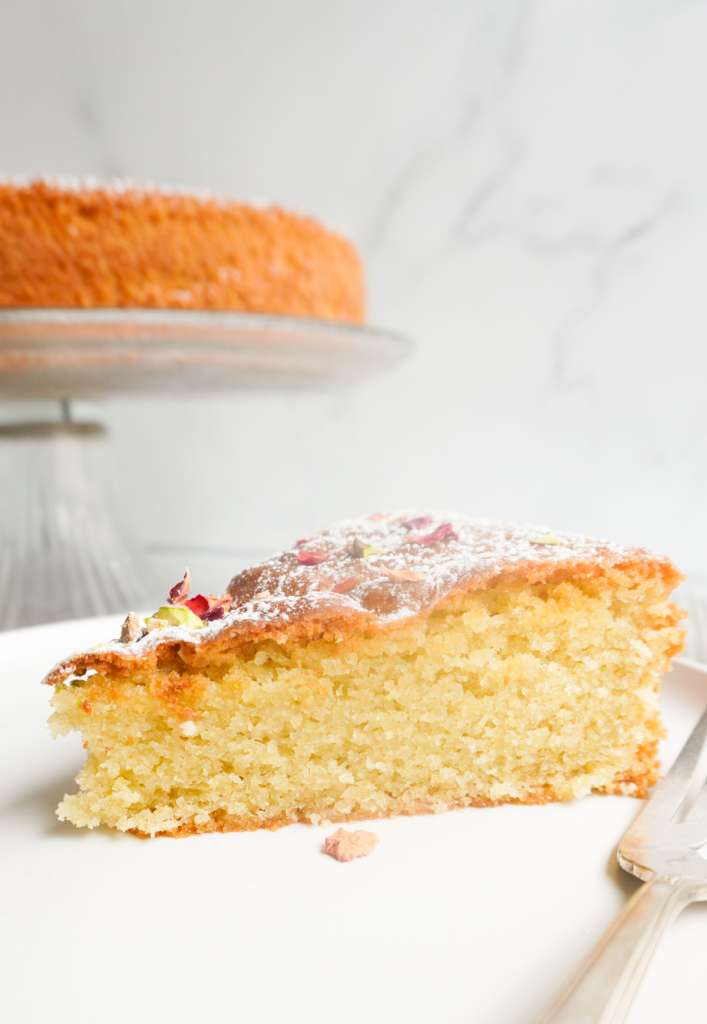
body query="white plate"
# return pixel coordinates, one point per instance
(472, 916)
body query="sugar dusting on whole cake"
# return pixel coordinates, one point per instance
(117, 187)
(381, 569)
(90, 186)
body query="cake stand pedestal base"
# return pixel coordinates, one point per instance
(62, 553)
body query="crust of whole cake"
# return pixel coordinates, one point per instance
(121, 246)
(319, 588)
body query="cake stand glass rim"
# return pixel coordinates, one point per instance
(108, 316)
(78, 353)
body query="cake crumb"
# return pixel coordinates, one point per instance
(345, 846)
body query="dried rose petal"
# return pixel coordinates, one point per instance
(345, 846)
(311, 557)
(402, 575)
(347, 584)
(417, 522)
(200, 605)
(132, 629)
(224, 601)
(445, 531)
(217, 612)
(180, 591)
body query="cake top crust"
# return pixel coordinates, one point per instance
(159, 200)
(94, 245)
(368, 574)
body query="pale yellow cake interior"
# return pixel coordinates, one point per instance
(520, 693)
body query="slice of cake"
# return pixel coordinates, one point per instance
(391, 665)
(84, 245)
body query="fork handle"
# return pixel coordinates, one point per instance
(603, 989)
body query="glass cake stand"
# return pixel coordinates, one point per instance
(63, 552)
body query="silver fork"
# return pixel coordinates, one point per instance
(661, 847)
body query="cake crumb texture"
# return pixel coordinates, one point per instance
(72, 246)
(517, 693)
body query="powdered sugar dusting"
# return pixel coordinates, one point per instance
(384, 569)
(400, 563)
(116, 188)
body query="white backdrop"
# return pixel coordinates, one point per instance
(527, 182)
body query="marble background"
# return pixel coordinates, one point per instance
(526, 181)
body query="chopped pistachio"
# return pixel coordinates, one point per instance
(152, 624)
(357, 549)
(132, 629)
(178, 615)
(547, 538)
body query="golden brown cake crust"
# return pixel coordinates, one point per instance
(122, 246)
(372, 574)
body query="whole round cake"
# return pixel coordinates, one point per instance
(73, 245)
